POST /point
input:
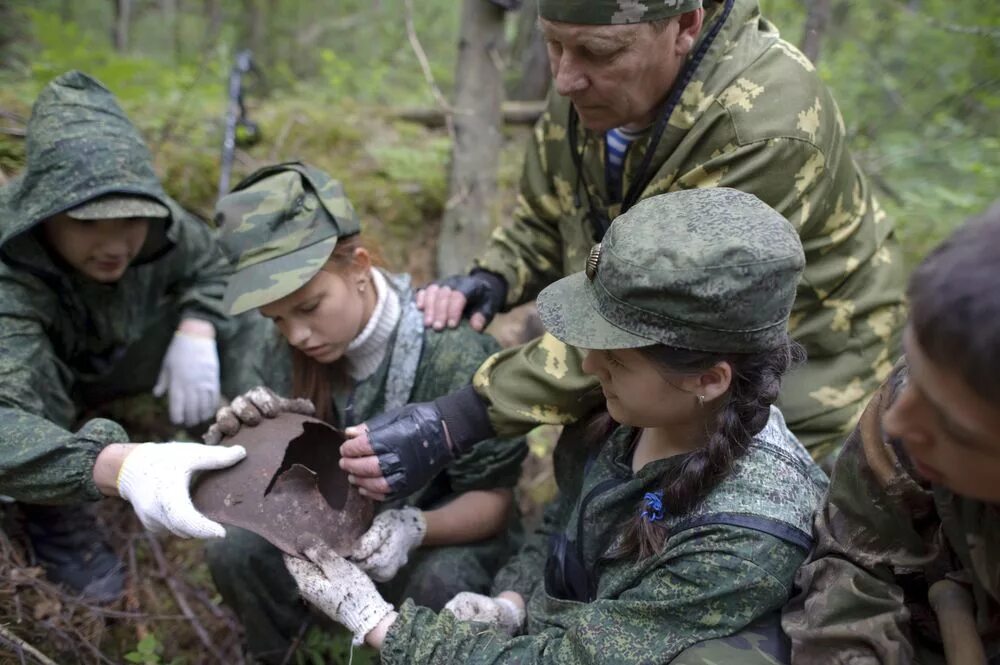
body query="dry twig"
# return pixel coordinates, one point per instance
(22, 646)
(161, 562)
(425, 66)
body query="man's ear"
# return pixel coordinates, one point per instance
(689, 27)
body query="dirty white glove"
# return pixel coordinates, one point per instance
(339, 589)
(250, 408)
(386, 546)
(190, 376)
(155, 478)
(499, 612)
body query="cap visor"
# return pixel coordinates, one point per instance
(263, 283)
(569, 312)
(119, 207)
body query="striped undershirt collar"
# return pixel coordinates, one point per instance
(617, 142)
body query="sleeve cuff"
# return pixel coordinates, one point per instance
(465, 415)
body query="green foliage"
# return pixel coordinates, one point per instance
(149, 651)
(322, 647)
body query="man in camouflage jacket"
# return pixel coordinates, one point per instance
(751, 113)
(913, 496)
(69, 342)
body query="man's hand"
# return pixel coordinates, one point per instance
(339, 589)
(395, 454)
(386, 546)
(249, 409)
(478, 295)
(190, 373)
(504, 613)
(155, 478)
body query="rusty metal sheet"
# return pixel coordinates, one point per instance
(290, 484)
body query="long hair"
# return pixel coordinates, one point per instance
(318, 381)
(756, 382)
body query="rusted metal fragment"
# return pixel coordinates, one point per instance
(289, 485)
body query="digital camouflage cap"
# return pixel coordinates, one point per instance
(278, 227)
(613, 12)
(702, 269)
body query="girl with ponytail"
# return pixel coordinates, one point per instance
(685, 510)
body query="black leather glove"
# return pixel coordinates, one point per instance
(413, 444)
(485, 292)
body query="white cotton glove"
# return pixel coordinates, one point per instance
(155, 478)
(339, 589)
(190, 374)
(500, 612)
(386, 546)
(250, 408)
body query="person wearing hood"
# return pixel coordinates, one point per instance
(107, 288)
(652, 98)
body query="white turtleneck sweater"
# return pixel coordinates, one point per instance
(365, 353)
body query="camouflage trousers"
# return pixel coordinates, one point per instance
(761, 643)
(251, 577)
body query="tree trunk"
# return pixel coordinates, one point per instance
(213, 23)
(817, 19)
(255, 27)
(122, 17)
(171, 10)
(469, 215)
(531, 56)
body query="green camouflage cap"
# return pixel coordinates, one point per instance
(702, 269)
(119, 206)
(278, 227)
(613, 12)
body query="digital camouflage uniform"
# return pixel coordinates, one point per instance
(712, 579)
(67, 342)
(755, 117)
(248, 571)
(712, 593)
(883, 536)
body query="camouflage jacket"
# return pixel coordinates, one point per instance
(59, 330)
(725, 564)
(883, 536)
(447, 361)
(755, 117)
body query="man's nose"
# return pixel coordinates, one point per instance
(569, 77)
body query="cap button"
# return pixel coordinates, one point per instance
(592, 261)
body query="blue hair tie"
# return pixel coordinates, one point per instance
(653, 511)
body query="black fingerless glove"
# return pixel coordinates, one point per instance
(413, 444)
(485, 292)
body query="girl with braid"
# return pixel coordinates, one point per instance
(685, 512)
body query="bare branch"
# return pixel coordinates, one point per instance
(425, 66)
(22, 646)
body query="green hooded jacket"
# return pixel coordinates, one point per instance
(61, 335)
(883, 537)
(754, 117)
(747, 537)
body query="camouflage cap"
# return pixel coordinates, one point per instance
(703, 269)
(278, 227)
(613, 12)
(119, 206)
